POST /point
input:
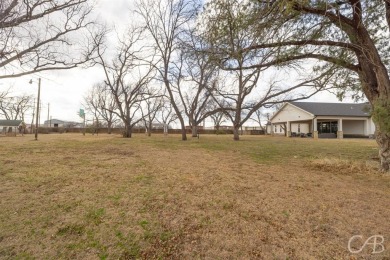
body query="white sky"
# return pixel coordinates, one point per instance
(64, 90)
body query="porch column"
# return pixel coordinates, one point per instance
(366, 128)
(288, 130)
(340, 134)
(315, 130)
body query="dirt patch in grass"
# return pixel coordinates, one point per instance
(102, 196)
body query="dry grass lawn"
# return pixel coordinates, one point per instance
(104, 197)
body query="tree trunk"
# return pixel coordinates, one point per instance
(194, 131)
(383, 140)
(236, 133)
(217, 129)
(127, 132)
(183, 128)
(165, 129)
(376, 85)
(150, 130)
(183, 134)
(381, 117)
(177, 110)
(109, 128)
(96, 130)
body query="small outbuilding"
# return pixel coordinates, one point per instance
(56, 123)
(11, 127)
(323, 120)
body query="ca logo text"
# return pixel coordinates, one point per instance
(376, 242)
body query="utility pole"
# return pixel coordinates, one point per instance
(40, 112)
(48, 113)
(33, 116)
(37, 115)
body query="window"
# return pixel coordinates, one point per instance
(280, 128)
(299, 128)
(276, 130)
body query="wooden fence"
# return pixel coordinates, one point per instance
(48, 130)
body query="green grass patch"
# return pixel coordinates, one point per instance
(95, 215)
(71, 229)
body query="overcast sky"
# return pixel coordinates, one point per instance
(64, 90)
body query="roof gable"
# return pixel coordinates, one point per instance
(290, 112)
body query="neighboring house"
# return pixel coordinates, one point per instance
(323, 120)
(11, 127)
(249, 128)
(60, 123)
(200, 127)
(226, 127)
(221, 127)
(155, 126)
(160, 126)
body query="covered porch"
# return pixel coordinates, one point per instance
(345, 127)
(302, 128)
(325, 127)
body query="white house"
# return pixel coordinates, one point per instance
(60, 123)
(11, 127)
(323, 120)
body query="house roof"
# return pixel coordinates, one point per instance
(10, 122)
(60, 122)
(54, 121)
(335, 109)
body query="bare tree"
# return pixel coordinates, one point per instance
(100, 102)
(165, 21)
(167, 115)
(150, 109)
(218, 118)
(194, 75)
(3, 94)
(241, 78)
(44, 35)
(91, 103)
(15, 107)
(258, 117)
(127, 79)
(238, 101)
(3, 99)
(352, 36)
